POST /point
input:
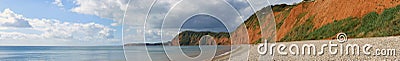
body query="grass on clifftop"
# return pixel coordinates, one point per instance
(370, 25)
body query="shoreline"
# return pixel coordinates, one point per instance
(225, 55)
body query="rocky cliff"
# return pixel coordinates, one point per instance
(317, 19)
(322, 19)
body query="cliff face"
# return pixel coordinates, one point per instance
(192, 38)
(322, 12)
(317, 19)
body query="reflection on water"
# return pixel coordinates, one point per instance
(61, 53)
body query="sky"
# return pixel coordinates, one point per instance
(203, 23)
(54, 22)
(101, 22)
(162, 20)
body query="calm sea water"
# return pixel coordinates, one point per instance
(61, 53)
(157, 53)
(92, 53)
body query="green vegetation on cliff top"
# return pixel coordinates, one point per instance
(371, 25)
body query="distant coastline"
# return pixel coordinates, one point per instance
(147, 44)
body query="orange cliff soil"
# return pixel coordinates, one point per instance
(327, 11)
(324, 12)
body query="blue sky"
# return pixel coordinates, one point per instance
(99, 22)
(49, 10)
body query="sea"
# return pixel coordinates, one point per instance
(61, 53)
(93, 53)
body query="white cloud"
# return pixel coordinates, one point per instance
(58, 3)
(110, 9)
(9, 19)
(114, 24)
(51, 30)
(17, 36)
(72, 31)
